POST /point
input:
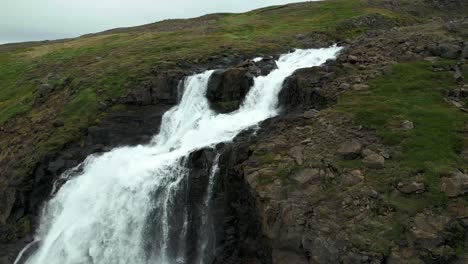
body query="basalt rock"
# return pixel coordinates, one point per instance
(159, 89)
(227, 88)
(303, 89)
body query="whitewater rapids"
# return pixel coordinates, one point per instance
(117, 208)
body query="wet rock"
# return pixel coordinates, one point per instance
(266, 65)
(455, 185)
(227, 88)
(413, 187)
(407, 125)
(350, 149)
(302, 89)
(374, 161)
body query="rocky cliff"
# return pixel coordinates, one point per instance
(367, 163)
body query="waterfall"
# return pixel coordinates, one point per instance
(128, 205)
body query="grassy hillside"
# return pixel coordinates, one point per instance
(101, 67)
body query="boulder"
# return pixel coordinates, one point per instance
(308, 175)
(455, 185)
(45, 89)
(465, 52)
(310, 114)
(350, 149)
(360, 87)
(410, 188)
(426, 231)
(407, 125)
(303, 89)
(266, 65)
(163, 88)
(446, 51)
(352, 178)
(374, 161)
(227, 88)
(58, 123)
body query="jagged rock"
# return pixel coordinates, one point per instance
(374, 161)
(464, 155)
(7, 200)
(227, 88)
(302, 89)
(350, 149)
(458, 76)
(360, 87)
(160, 89)
(344, 86)
(413, 187)
(455, 185)
(45, 89)
(352, 178)
(58, 123)
(446, 51)
(308, 175)
(407, 125)
(426, 230)
(353, 59)
(465, 52)
(102, 106)
(310, 114)
(266, 65)
(297, 154)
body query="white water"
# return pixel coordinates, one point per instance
(119, 208)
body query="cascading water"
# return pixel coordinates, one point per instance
(124, 206)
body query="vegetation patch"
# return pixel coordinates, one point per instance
(412, 91)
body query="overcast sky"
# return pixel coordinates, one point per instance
(24, 20)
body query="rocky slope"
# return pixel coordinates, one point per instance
(367, 164)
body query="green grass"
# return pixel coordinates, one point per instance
(15, 94)
(412, 91)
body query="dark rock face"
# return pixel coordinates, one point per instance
(227, 88)
(159, 89)
(302, 90)
(238, 229)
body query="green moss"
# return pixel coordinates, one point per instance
(15, 93)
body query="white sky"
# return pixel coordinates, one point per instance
(24, 20)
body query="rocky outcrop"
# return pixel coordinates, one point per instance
(227, 88)
(303, 90)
